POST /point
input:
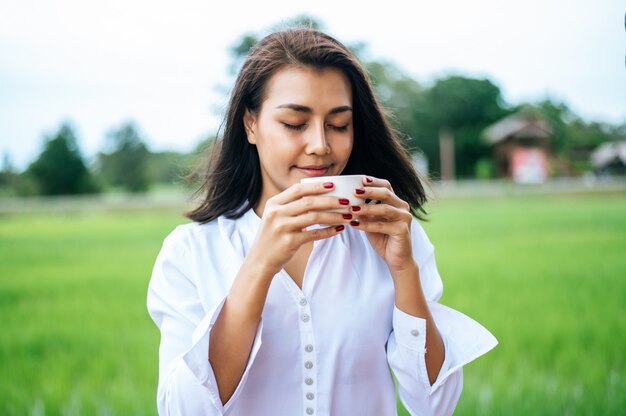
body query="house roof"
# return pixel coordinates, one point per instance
(517, 126)
(607, 153)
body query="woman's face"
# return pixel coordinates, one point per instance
(303, 128)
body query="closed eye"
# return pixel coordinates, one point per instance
(339, 128)
(294, 127)
(298, 127)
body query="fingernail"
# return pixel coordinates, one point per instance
(368, 179)
(360, 191)
(339, 228)
(354, 223)
(347, 216)
(356, 208)
(344, 201)
(328, 185)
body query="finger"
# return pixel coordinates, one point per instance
(381, 211)
(317, 217)
(372, 181)
(322, 233)
(380, 227)
(298, 190)
(381, 194)
(315, 203)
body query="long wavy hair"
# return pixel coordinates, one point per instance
(232, 179)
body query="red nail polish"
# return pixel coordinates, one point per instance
(344, 201)
(354, 223)
(339, 228)
(368, 179)
(328, 185)
(356, 208)
(360, 191)
(347, 216)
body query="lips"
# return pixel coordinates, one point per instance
(314, 170)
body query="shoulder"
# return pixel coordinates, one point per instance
(190, 251)
(187, 236)
(216, 243)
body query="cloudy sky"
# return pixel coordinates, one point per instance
(160, 64)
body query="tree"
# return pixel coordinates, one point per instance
(240, 49)
(400, 95)
(8, 173)
(465, 106)
(169, 167)
(60, 169)
(126, 164)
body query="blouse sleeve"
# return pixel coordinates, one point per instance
(464, 340)
(187, 384)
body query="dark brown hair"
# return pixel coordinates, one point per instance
(232, 181)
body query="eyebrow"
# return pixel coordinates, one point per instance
(305, 109)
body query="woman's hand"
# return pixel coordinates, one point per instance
(387, 224)
(286, 217)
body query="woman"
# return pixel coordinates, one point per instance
(271, 304)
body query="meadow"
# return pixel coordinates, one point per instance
(546, 274)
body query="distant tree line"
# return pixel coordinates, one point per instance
(125, 165)
(462, 105)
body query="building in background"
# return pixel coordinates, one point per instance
(609, 159)
(521, 147)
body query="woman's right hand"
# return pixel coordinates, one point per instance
(286, 217)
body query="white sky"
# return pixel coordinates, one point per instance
(159, 63)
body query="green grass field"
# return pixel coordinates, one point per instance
(546, 274)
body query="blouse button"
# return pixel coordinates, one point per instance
(303, 302)
(308, 381)
(309, 410)
(308, 365)
(305, 318)
(308, 348)
(415, 332)
(310, 396)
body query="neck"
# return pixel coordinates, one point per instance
(260, 206)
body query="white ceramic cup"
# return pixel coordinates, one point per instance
(344, 188)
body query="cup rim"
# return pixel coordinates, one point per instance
(318, 178)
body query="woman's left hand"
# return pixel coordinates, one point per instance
(387, 223)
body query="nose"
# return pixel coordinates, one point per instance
(316, 143)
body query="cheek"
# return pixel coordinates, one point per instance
(343, 147)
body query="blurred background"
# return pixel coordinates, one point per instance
(515, 110)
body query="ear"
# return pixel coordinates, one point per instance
(249, 123)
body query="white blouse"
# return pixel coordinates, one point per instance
(328, 349)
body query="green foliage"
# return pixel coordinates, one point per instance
(459, 101)
(169, 167)
(465, 106)
(60, 169)
(240, 49)
(557, 115)
(76, 337)
(400, 95)
(485, 169)
(574, 138)
(127, 163)
(14, 184)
